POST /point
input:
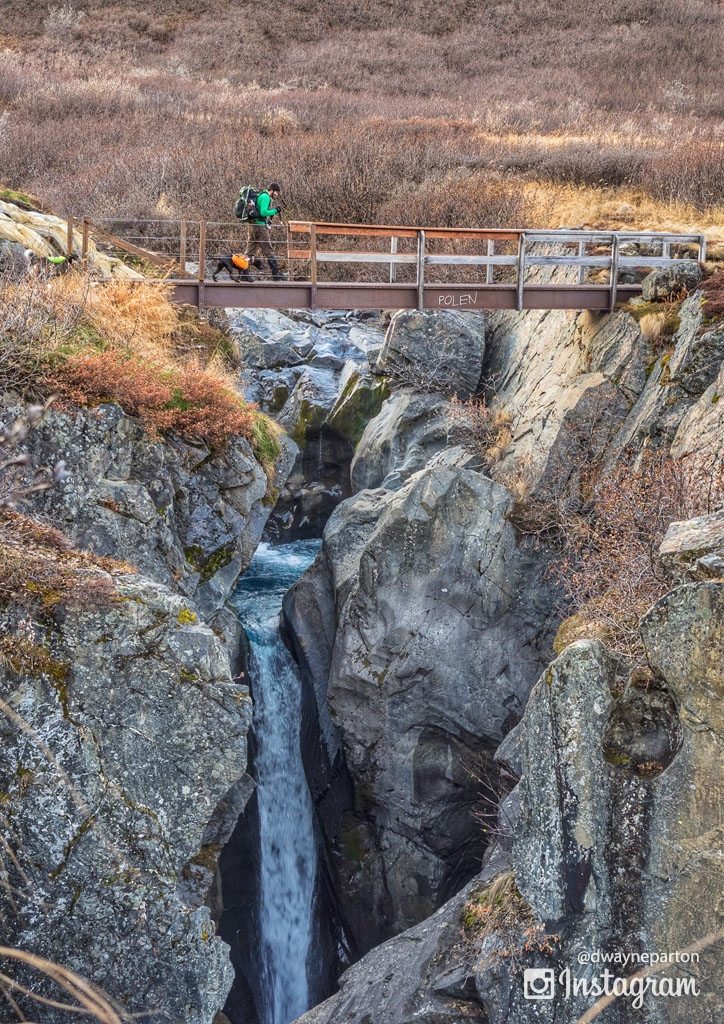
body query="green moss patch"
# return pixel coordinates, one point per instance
(265, 443)
(208, 565)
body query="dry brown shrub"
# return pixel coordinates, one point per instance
(713, 289)
(357, 112)
(40, 568)
(608, 560)
(482, 429)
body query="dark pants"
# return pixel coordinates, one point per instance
(259, 244)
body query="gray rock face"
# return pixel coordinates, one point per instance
(670, 282)
(397, 982)
(684, 638)
(400, 441)
(13, 261)
(612, 852)
(116, 753)
(312, 371)
(326, 413)
(562, 726)
(184, 516)
(359, 401)
(695, 548)
(413, 696)
(673, 383)
(124, 774)
(435, 351)
(621, 836)
(559, 375)
(699, 436)
(441, 622)
(266, 355)
(312, 399)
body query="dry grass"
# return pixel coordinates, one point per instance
(485, 431)
(40, 569)
(555, 204)
(88, 1001)
(498, 907)
(90, 342)
(652, 326)
(368, 112)
(499, 911)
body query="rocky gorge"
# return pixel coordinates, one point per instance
(457, 749)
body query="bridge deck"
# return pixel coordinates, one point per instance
(333, 295)
(365, 266)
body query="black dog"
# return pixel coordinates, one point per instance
(225, 264)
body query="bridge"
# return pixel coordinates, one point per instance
(356, 266)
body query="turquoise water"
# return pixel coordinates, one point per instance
(288, 856)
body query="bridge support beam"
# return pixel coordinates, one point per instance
(305, 295)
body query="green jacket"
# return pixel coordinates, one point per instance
(265, 210)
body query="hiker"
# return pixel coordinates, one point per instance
(259, 239)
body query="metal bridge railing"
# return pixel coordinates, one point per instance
(433, 261)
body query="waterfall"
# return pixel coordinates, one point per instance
(288, 858)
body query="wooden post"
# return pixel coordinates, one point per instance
(702, 248)
(84, 243)
(313, 263)
(420, 270)
(581, 254)
(521, 272)
(290, 261)
(69, 237)
(614, 271)
(202, 250)
(182, 246)
(489, 269)
(202, 262)
(393, 266)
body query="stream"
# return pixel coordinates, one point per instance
(287, 852)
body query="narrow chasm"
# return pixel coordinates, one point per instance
(284, 940)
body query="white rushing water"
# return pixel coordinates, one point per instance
(288, 855)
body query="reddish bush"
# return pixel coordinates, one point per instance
(713, 288)
(186, 399)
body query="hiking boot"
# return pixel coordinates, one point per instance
(277, 274)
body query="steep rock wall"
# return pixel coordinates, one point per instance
(615, 845)
(125, 745)
(440, 620)
(115, 757)
(377, 629)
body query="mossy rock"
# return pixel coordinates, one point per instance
(265, 443)
(360, 401)
(208, 565)
(22, 199)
